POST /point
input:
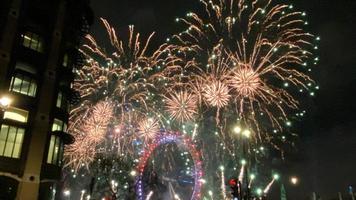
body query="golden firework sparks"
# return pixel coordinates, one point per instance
(182, 106)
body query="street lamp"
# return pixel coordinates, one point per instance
(222, 168)
(133, 173)
(203, 181)
(211, 194)
(275, 176)
(246, 133)
(5, 102)
(259, 191)
(67, 193)
(294, 180)
(237, 129)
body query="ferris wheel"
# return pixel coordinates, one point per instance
(170, 181)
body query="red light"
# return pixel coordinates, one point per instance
(232, 182)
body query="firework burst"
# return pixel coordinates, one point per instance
(216, 93)
(127, 79)
(252, 49)
(129, 75)
(148, 128)
(80, 154)
(182, 106)
(214, 80)
(245, 82)
(241, 59)
(88, 133)
(96, 125)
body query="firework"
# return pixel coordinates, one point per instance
(88, 135)
(149, 195)
(241, 59)
(80, 154)
(96, 125)
(129, 75)
(148, 128)
(182, 106)
(223, 185)
(247, 51)
(216, 94)
(245, 82)
(247, 59)
(214, 78)
(268, 187)
(124, 83)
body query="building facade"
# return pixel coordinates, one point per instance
(39, 42)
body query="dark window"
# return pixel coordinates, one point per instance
(25, 67)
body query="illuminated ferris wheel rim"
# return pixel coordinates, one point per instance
(166, 137)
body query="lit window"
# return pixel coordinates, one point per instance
(55, 151)
(59, 100)
(59, 125)
(23, 84)
(16, 114)
(62, 102)
(11, 139)
(32, 41)
(65, 60)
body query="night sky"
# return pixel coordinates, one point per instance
(326, 159)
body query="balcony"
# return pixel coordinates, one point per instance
(66, 137)
(72, 95)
